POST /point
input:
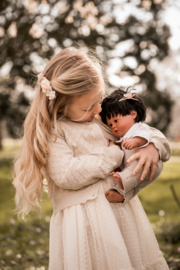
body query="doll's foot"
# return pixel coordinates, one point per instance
(114, 196)
(117, 179)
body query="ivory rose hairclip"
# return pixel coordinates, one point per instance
(128, 94)
(46, 87)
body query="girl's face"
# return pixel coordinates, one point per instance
(121, 124)
(85, 107)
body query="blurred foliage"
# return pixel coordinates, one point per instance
(24, 246)
(168, 234)
(32, 31)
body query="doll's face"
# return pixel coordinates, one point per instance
(121, 124)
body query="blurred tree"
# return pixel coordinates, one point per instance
(129, 35)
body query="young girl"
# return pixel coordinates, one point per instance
(66, 144)
(124, 113)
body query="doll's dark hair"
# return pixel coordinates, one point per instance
(111, 106)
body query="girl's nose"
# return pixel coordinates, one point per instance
(97, 109)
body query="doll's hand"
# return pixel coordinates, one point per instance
(129, 144)
(134, 142)
(148, 157)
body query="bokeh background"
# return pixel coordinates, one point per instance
(139, 44)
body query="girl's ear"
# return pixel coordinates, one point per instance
(134, 114)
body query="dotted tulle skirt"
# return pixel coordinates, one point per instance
(99, 235)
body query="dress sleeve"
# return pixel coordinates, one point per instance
(161, 144)
(70, 172)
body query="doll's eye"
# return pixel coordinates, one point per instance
(115, 121)
(110, 125)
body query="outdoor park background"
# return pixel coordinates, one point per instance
(139, 42)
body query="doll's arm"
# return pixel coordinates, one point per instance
(130, 184)
(134, 142)
(70, 172)
(161, 143)
(149, 156)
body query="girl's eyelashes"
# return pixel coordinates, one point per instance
(88, 110)
(100, 102)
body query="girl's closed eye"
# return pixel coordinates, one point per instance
(88, 110)
(99, 103)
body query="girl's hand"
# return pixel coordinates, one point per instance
(148, 157)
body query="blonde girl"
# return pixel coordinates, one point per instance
(66, 143)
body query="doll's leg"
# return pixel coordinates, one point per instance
(114, 196)
(117, 179)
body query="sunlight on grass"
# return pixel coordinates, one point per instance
(157, 199)
(11, 149)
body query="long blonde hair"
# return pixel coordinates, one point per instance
(71, 72)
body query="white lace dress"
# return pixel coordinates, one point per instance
(94, 234)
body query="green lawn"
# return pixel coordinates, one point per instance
(158, 196)
(24, 246)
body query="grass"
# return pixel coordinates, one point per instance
(24, 246)
(176, 152)
(157, 199)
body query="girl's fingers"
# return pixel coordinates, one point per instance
(138, 167)
(153, 170)
(133, 157)
(141, 162)
(147, 166)
(148, 157)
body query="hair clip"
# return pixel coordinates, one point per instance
(127, 96)
(46, 87)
